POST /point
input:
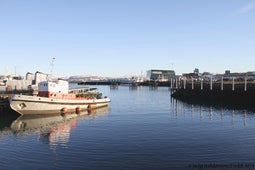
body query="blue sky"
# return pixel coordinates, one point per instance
(126, 37)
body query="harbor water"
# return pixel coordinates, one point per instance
(143, 128)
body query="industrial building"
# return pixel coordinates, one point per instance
(160, 75)
(12, 82)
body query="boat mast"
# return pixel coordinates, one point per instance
(52, 67)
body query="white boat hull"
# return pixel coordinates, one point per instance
(34, 105)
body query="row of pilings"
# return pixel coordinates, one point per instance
(224, 92)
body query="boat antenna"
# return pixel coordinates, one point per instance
(52, 66)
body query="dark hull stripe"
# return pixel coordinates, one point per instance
(62, 103)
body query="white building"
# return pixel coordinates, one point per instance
(160, 75)
(12, 82)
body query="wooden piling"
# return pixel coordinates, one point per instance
(192, 83)
(211, 83)
(233, 84)
(245, 84)
(222, 83)
(184, 83)
(201, 84)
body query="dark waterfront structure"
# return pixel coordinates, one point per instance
(224, 93)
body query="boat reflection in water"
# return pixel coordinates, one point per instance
(53, 129)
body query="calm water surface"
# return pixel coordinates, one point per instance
(142, 128)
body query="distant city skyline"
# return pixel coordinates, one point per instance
(119, 38)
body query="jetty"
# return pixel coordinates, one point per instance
(224, 92)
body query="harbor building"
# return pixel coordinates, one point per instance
(160, 75)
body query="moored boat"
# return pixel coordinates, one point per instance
(55, 97)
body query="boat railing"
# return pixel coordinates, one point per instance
(80, 90)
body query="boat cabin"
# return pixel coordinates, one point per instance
(58, 89)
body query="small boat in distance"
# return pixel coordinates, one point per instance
(55, 97)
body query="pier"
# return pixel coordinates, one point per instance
(223, 92)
